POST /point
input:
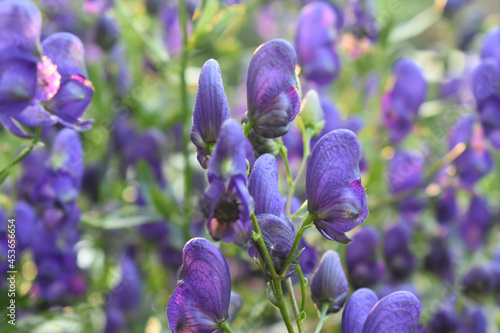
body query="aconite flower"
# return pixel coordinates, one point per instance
(400, 105)
(329, 284)
(336, 197)
(272, 89)
(210, 111)
(202, 298)
(228, 204)
(396, 313)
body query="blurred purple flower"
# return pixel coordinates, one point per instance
(107, 31)
(328, 283)
(317, 34)
(400, 105)
(202, 298)
(210, 111)
(439, 259)
(336, 197)
(272, 89)
(26, 221)
(363, 267)
(476, 161)
(227, 201)
(478, 283)
(476, 223)
(399, 259)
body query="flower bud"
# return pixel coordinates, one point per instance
(312, 113)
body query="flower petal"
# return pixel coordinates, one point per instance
(397, 313)
(201, 301)
(263, 186)
(357, 309)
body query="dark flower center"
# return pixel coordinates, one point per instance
(227, 210)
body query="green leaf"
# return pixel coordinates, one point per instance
(4, 174)
(127, 217)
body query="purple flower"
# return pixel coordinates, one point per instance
(201, 301)
(107, 31)
(278, 236)
(328, 283)
(476, 223)
(26, 221)
(210, 110)
(363, 267)
(405, 171)
(263, 186)
(315, 42)
(491, 44)
(361, 20)
(170, 19)
(336, 197)
(400, 105)
(227, 201)
(476, 161)
(75, 93)
(272, 89)
(444, 320)
(399, 259)
(126, 296)
(235, 304)
(439, 259)
(446, 207)
(398, 312)
(478, 283)
(357, 309)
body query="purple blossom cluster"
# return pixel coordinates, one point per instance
(303, 167)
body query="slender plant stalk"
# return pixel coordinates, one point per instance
(302, 280)
(22, 155)
(299, 211)
(226, 327)
(293, 300)
(324, 308)
(284, 155)
(305, 224)
(186, 117)
(275, 279)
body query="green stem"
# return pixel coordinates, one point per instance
(299, 211)
(278, 290)
(324, 308)
(293, 300)
(275, 279)
(22, 155)
(306, 224)
(307, 141)
(186, 113)
(248, 127)
(284, 155)
(302, 280)
(226, 327)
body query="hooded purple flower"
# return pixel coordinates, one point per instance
(201, 301)
(210, 111)
(57, 191)
(363, 267)
(447, 319)
(446, 207)
(476, 223)
(263, 186)
(227, 201)
(272, 89)
(20, 27)
(357, 309)
(75, 93)
(107, 31)
(439, 259)
(476, 161)
(328, 283)
(278, 236)
(315, 42)
(396, 313)
(336, 197)
(399, 259)
(400, 105)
